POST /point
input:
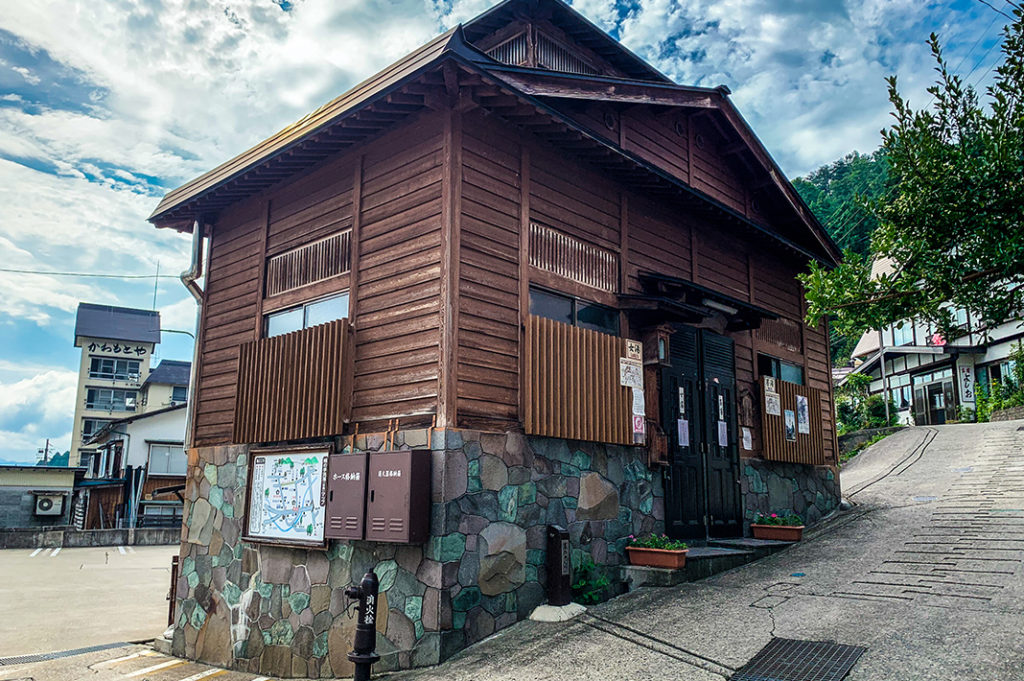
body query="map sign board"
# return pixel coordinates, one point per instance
(287, 497)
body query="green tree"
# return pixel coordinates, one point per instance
(952, 217)
(839, 194)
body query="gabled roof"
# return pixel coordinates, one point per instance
(117, 323)
(103, 434)
(575, 25)
(170, 372)
(401, 90)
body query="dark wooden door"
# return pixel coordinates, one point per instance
(698, 409)
(718, 373)
(681, 416)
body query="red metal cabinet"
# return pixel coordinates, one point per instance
(398, 497)
(346, 496)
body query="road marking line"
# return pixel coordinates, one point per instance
(131, 549)
(35, 553)
(55, 552)
(121, 550)
(261, 678)
(156, 667)
(118, 660)
(205, 675)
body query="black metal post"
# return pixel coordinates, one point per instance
(559, 563)
(363, 648)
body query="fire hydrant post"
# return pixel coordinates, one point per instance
(363, 648)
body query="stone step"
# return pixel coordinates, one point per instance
(760, 547)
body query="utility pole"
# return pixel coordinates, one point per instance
(885, 380)
(45, 451)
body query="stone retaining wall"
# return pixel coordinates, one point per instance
(282, 612)
(70, 537)
(772, 487)
(851, 441)
(1011, 414)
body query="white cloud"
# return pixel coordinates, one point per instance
(35, 408)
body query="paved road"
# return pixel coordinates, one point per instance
(925, 573)
(121, 663)
(59, 599)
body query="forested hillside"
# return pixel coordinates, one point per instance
(837, 193)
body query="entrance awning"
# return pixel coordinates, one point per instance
(671, 299)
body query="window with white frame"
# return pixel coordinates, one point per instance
(903, 335)
(167, 459)
(179, 393)
(92, 426)
(306, 315)
(114, 369)
(110, 399)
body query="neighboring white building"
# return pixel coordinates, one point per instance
(928, 378)
(145, 452)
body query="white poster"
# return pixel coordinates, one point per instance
(803, 417)
(638, 402)
(683, 432)
(721, 408)
(723, 434)
(682, 403)
(634, 350)
(631, 373)
(747, 443)
(769, 384)
(772, 404)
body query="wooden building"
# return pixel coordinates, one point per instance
(524, 248)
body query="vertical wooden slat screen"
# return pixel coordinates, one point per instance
(295, 385)
(572, 384)
(808, 448)
(572, 258)
(309, 263)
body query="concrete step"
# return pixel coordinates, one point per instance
(760, 547)
(717, 556)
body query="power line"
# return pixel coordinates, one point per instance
(90, 274)
(994, 9)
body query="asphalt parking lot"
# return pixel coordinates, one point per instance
(61, 599)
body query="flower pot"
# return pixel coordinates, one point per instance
(778, 532)
(659, 558)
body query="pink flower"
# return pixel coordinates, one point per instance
(774, 516)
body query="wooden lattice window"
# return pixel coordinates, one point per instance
(514, 51)
(309, 263)
(572, 258)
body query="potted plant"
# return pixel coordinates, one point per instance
(657, 551)
(789, 527)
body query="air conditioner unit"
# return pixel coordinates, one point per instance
(49, 504)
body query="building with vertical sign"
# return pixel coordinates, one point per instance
(525, 254)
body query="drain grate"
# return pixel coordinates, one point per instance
(785, 659)
(42, 657)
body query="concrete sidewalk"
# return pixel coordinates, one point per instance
(925, 572)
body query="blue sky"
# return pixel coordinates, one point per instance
(104, 106)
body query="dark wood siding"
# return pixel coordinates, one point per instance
(488, 337)
(230, 316)
(397, 355)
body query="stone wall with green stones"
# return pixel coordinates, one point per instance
(811, 492)
(282, 612)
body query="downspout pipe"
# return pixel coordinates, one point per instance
(188, 278)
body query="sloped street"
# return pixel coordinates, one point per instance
(925, 573)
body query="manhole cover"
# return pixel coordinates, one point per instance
(785, 659)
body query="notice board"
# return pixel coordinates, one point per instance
(287, 496)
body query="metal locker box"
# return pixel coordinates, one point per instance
(398, 497)
(346, 496)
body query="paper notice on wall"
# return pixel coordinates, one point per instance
(803, 416)
(769, 384)
(639, 428)
(683, 432)
(772, 404)
(682, 403)
(631, 373)
(634, 350)
(721, 407)
(638, 402)
(747, 440)
(723, 434)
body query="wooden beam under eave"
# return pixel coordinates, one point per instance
(548, 85)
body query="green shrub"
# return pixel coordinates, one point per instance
(589, 583)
